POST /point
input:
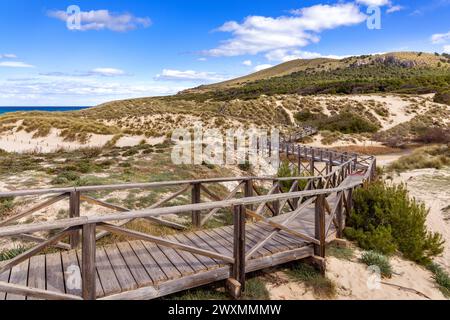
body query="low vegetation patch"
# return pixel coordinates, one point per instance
(434, 157)
(338, 252)
(441, 277)
(385, 219)
(8, 254)
(313, 279)
(372, 258)
(6, 205)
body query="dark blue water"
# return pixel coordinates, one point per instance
(50, 109)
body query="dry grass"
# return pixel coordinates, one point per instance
(372, 150)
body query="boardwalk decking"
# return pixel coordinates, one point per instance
(127, 266)
(152, 267)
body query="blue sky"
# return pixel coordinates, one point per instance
(135, 48)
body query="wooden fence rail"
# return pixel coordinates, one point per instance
(289, 204)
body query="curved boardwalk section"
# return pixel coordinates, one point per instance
(268, 230)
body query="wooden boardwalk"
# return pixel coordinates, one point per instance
(299, 225)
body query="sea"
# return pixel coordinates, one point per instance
(4, 110)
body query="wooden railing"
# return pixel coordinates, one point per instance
(84, 231)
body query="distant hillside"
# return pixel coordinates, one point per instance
(400, 72)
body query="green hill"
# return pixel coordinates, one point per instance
(399, 72)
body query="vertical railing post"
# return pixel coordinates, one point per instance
(195, 194)
(340, 216)
(88, 262)
(276, 203)
(239, 245)
(349, 202)
(319, 250)
(312, 162)
(74, 212)
(299, 159)
(248, 191)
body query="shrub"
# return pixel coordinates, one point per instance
(434, 135)
(428, 157)
(285, 171)
(441, 277)
(442, 97)
(321, 286)
(6, 205)
(246, 166)
(347, 122)
(66, 177)
(372, 258)
(384, 218)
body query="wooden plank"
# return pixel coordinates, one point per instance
(192, 260)
(163, 242)
(134, 264)
(88, 269)
(148, 262)
(36, 275)
(120, 268)
(167, 267)
(208, 262)
(271, 245)
(19, 276)
(106, 274)
(250, 237)
(177, 261)
(198, 242)
(217, 243)
(72, 271)
(54, 270)
(4, 277)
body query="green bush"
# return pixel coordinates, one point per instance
(372, 258)
(284, 171)
(385, 219)
(6, 205)
(66, 177)
(441, 277)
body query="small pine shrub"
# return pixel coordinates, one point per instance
(372, 258)
(6, 205)
(386, 219)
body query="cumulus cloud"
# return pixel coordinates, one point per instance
(247, 63)
(258, 34)
(262, 67)
(8, 56)
(74, 90)
(189, 75)
(108, 72)
(377, 3)
(103, 19)
(15, 64)
(393, 9)
(440, 38)
(447, 49)
(283, 55)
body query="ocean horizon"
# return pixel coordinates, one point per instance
(7, 109)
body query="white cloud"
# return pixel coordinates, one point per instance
(262, 67)
(247, 63)
(202, 59)
(77, 91)
(393, 9)
(15, 64)
(283, 55)
(108, 72)
(440, 38)
(103, 19)
(8, 56)
(447, 49)
(258, 34)
(377, 3)
(189, 75)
